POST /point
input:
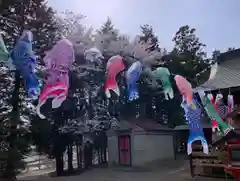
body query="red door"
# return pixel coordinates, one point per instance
(124, 150)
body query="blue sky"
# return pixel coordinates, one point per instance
(216, 21)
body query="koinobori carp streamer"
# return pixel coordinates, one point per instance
(5, 58)
(185, 88)
(214, 123)
(213, 114)
(58, 61)
(114, 66)
(163, 74)
(3, 50)
(24, 60)
(193, 117)
(132, 76)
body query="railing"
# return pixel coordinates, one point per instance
(41, 162)
(37, 162)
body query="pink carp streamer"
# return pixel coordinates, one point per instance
(58, 62)
(114, 66)
(185, 88)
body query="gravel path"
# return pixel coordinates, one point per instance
(170, 171)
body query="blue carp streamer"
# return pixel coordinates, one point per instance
(132, 76)
(25, 61)
(193, 117)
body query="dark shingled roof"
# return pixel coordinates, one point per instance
(144, 123)
(149, 125)
(227, 74)
(229, 55)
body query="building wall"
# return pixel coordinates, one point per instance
(112, 150)
(151, 147)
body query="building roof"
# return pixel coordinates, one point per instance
(143, 123)
(225, 73)
(225, 77)
(229, 55)
(149, 125)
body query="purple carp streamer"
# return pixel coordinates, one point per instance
(58, 62)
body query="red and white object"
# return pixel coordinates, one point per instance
(114, 66)
(214, 122)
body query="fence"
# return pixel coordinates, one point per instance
(36, 162)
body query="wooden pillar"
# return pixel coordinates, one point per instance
(191, 166)
(175, 145)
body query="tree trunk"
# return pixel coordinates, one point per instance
(99, 155)
(78, 156)
(105, 155)
(59, 163)
(88, 155)
(81, 157)
(9, 171)
(70, 158)
(102, 160)
(91, 155)
(58, 154)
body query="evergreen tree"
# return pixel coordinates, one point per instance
(187, 59)
(15, 133)
(83, 113)
(150, 38)
(149, 103)
(105, 35)
(188, 54)
(45, 28)
(70, 24)
(36, 16)
(106, 27)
